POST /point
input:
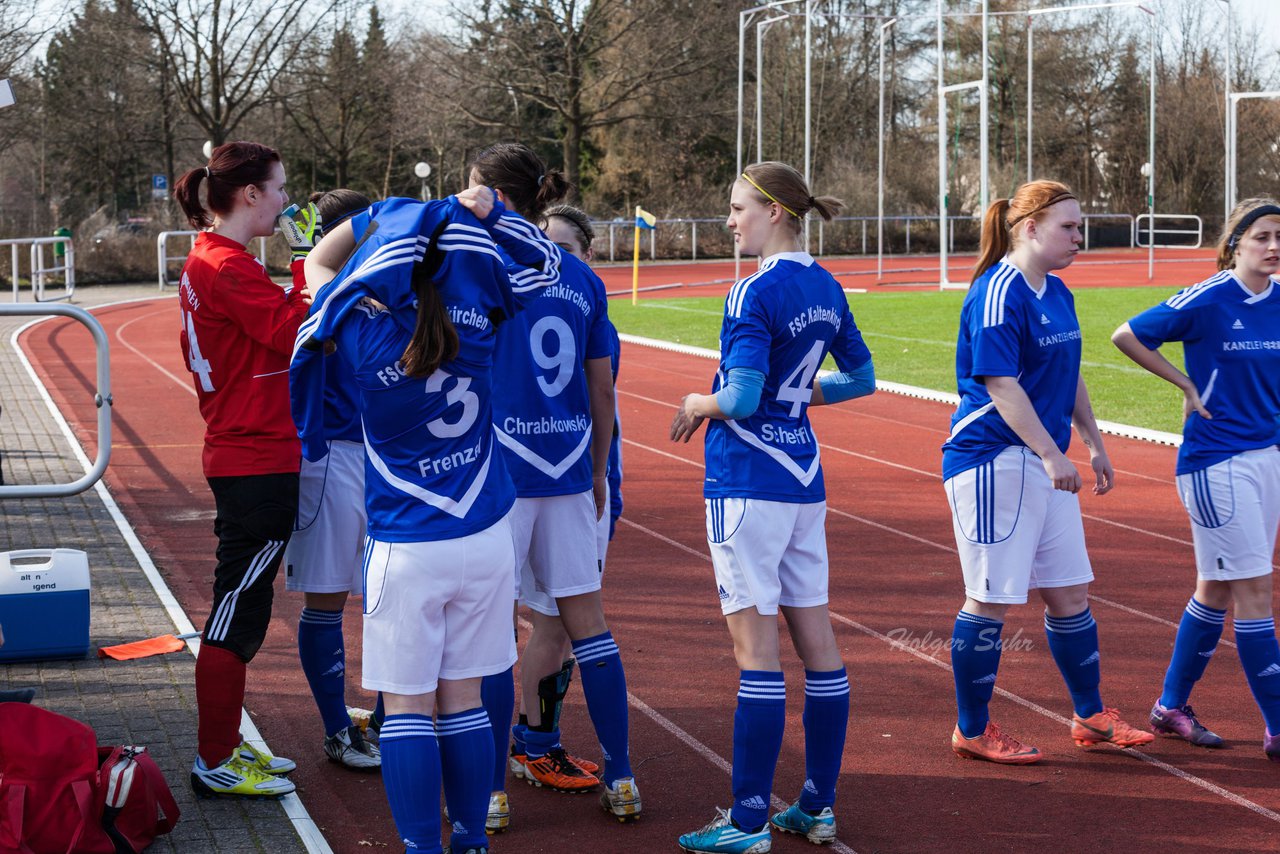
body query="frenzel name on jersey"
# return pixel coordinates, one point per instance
(1251, 345)
(814, 314)
(1058, 338)
(782, 436)
(561, 292)
(519, 427)
(456, 460)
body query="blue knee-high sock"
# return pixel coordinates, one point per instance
(1260, 655)
(518, 738)
(975, 661)
(1074, 644)
(324, 662)
(411, 776)
(466, 762)
(826, 719)
(538, 742)
(498, 693)
(1197, 638)
(604, 685)
(757, 739)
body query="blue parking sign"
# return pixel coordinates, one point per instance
(159, 182)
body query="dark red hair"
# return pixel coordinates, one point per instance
(232, 166)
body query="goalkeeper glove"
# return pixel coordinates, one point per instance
(301, 233)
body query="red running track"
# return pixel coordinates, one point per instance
(895, 577)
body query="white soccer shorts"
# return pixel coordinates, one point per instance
(1235, 509)
(767, 553)
(543, 603)
(1014, 531)
(326, 550)
(555, 544)
(438, 610)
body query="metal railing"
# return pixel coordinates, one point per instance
(37, 270)
(164, 259)
(857, 235)
(101, 399)
(1152, 230)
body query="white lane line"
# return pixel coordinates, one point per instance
(185, 383)
(671, 726)
(308, 832)
(1213, 788)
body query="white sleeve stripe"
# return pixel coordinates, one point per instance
(997, 291)
(468, 247)
(1185, 297)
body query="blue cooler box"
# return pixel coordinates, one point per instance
(44, 604)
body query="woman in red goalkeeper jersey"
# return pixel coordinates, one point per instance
(237, 333)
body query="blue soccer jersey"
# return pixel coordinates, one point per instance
(1231, 345)
(782, 321)
(543, 415)
(341, 400)
(1009, 329)
(432, 469)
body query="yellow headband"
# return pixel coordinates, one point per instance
(767, 195)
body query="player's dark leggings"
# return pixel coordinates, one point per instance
(253, 525)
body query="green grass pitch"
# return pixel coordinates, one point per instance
(912, 338)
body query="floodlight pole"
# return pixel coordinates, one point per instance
(744, 18)
(1151, 148)
(761, 28)
(884, 29)
(808, 104)
(1229, 131)
(1031, 85)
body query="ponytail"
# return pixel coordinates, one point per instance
(515, 169)
(186, 192)
(435, 340)
(995, 241)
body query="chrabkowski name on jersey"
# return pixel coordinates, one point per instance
(543, 414)
(782, 321)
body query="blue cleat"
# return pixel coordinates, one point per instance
(819, 829)
(722, 835)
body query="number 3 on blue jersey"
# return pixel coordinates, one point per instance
(797, 388)
(563, 359)
(460, 393)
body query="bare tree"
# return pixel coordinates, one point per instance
(588, 63)
(227, 56)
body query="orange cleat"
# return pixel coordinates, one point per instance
(993, 746)
(516, 762)
(555, 771)
(1106, 726)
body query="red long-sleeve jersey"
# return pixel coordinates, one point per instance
(238, 329)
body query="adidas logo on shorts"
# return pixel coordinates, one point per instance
(1272, 670)
(1237, 325)
(724, 594)
(755, 802)
(1093, 659)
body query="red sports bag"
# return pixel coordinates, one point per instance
(58, 796)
